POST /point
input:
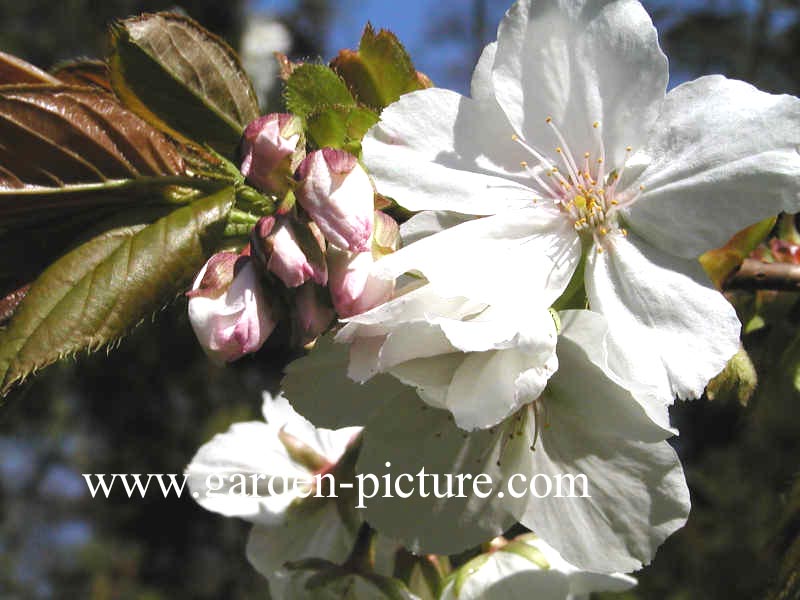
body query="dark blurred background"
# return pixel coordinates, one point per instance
(149, 405)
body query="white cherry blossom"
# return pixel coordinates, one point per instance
(260, 472)
(575, 156)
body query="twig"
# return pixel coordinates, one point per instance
(757, 275)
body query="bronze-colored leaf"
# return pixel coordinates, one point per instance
(85, 72)
(70, 157)
(183, 79)
(53, 136)
(14, 70)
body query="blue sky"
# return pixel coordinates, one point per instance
(411, 20)
(448, 64)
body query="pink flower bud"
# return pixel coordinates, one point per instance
(313, 313)
(272, 148)
(354, 289)
(227, 308)
(785, 251)
(337, 193)
(291, 250)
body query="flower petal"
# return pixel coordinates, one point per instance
(316, 533)
(413, 303)
(481, 86)
(436, 150)
(320, 389)
(510, 325)
(723, 155)
(328, 443)
(413, 340)
(427, 223)
(633, 366)
(637, 494)
(580, 582)
(411, 436)
(508, 576)
(489, 386)
(230, 459)
(580, 62)
(528, 253)
(431, 376)
(657, 301)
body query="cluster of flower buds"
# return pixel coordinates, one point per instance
(313, 258)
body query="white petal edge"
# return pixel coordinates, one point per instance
(663, 303)
(723, 155)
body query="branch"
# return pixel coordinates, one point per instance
(757, 275)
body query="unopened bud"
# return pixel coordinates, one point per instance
(227, 308)
(354, 289)
(272, 148)
(338, 194)
(313, 313)
(293, 251)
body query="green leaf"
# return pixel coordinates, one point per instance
(313, 88)
(332, 116)
(737, 381)
(721, 262)
(93, 295)
(183, 79)
(340, 127)
(380, 72)
(37, 225)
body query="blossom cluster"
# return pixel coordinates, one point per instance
(307, 263)
(544, 311)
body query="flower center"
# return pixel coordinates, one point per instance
(585, 192)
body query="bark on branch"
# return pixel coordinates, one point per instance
(757, 275)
